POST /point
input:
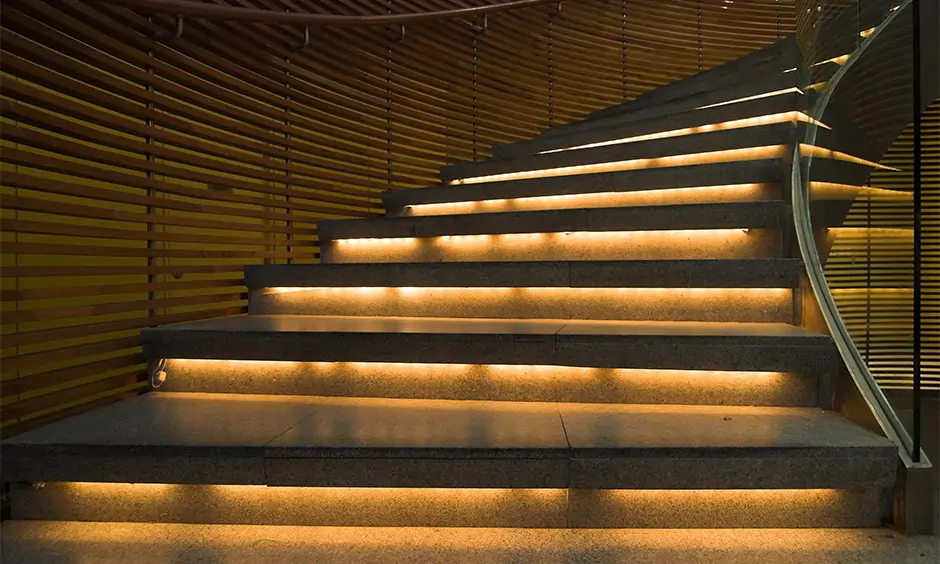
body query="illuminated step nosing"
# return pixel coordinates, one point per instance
(635, 194)
(783, 117)
(790, 90)
(541, 235)
(687, 159)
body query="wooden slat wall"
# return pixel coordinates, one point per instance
(871, 273)
(140, 177)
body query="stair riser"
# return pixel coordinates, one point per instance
(621, 351)
(740, 216)
(693, 118)
(773, 134)
(552, 508)
(679, 196)
(771, 273)
(489, 382)
(641, 304)
(748, 172)
(730, 244)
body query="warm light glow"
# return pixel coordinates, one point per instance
(831, 189)
(784, 117)
(630, 303)
(789, 70)
(867, 32)
(417, 290)
(688, 195)
(582, 236)
(754, 97)
(821, 152)
(745, 154)
(491, 382)
(513, 370)
(502, 507)
(866, 231)
(840, 60)
(380, 501)
(583, 245)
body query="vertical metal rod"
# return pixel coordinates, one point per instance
(287, 162)
(700, 35)
(915, 7)
(388, 101)
(551, 75)
(623, 45)
(476, 133)
(151, 192)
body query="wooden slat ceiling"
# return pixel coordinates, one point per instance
(139, 177)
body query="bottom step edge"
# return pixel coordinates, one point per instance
(437, 507)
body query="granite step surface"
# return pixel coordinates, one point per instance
(753, 273)
(734, 215)
(764, 171)
(604, 344)
(713, 143)
(687, 119)
(25, 542)
(181, 438)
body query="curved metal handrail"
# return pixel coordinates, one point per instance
(191, 8)
(884, 414)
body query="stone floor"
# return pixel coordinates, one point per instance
(73, 543)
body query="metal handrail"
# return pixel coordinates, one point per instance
(884, 414)
(191, 8)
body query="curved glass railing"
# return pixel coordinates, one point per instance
(854, 215)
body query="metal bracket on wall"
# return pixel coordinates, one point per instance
(171, 35)
(303, 44)
(401, 34)
(481, 29)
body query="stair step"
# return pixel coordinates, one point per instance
(488, 382)
(178, 438)
(544, 290)
(108, 543)
(765, 171)
(695, 231)
(778, 57)
(744, 273)
(607, 344)
(767, 85)
(709, 146)
(693, 118)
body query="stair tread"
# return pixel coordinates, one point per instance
(309, 426)
(50, 542)
(712, 273)
(621, 181)
(463, 326)
(726, 215)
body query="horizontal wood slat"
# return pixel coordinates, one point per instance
(871, 267)
(140, 177)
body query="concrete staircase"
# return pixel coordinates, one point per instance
(596, 328)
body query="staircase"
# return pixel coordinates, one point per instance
(596, 328)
